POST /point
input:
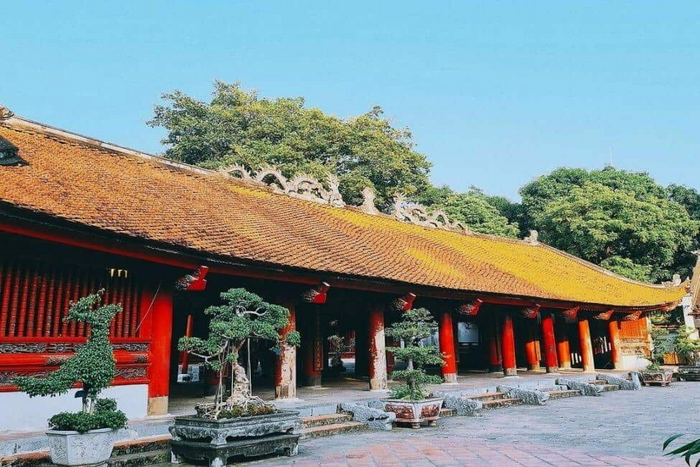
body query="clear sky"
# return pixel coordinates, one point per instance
(495, 93)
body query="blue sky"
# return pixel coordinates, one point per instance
(495, 93)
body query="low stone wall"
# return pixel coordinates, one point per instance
(624, 384)
(527, 396)
(376, 418)
(587, 389)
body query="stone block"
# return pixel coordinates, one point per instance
(527, 396)
(375, 418)
(462, 405)
(624, 384)
(587, 389)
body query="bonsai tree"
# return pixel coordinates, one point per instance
(93, 366)
(337, 348)
(243, 316)
(660, 346)
(686, 347)
(416, 325)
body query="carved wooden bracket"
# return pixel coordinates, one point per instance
(571, 313)
(470, 309)
(316, 295)
(530, 312)
(404, 303)
(604, 316)
(195, 282)
(631, 316)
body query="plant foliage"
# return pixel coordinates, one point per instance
(244, 315)
(93, 366)
(686, 451)
(416, 325)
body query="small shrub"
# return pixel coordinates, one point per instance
(105, 415)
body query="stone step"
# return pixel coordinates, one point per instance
(487, 396)
(447, 412)
(501, 402)
(330, 430)
(610, 387)
(139, 458)
(599, 382)
(323, 420)
(563, 393)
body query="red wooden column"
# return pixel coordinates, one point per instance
(494, 345)
(533, 363)
(447, 347)
(549, 343)
(313, 349)
(563, 348)
(286, 362)
(377, 349)
(508, 345)
(615, 351)
(184, 356)
(158, 325)
(584, 335)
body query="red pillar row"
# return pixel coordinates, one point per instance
(533, 362)
(549, 343)
(508, 346)
(447, 347)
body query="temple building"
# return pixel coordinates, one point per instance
(163, 239)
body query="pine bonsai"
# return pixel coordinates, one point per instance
(243, 316)
(415, 326)
(93, 365)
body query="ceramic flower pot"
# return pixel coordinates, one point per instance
(656, 377)
(73, 448)
(415, 412)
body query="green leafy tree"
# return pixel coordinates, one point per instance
(473, 208)
(598, 224)
(244, 315)
(416, 325)
(239, 127)
(93, 366)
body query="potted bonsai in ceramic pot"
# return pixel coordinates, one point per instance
(411, 401)
(237, 424)
(653, 374)
(88, 436)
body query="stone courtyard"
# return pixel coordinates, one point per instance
(619, 428)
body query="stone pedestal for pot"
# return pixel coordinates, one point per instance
(415, 412)
(73, 448)
(217, 440)
(657, 377)
(689, 373)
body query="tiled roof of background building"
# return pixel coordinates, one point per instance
(145, 198)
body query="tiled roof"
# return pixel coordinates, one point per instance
(145, 198)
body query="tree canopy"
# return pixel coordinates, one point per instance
(624, 221)
(239, 127)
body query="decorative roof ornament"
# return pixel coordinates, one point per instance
(414, 213)
(9, 154)
(532, 238)
(367, 205)
(301, 186)
(5, 113)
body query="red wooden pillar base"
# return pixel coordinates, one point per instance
(563, 347)
(508, 345)
(377, 350)
(158, 325)
(447, 347)
(615, 353)
(494, 346)
(584, 334)
(286, 362)
(313, 349)
(549, 343)
(533, 363)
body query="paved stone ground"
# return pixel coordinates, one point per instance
(620, 428)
